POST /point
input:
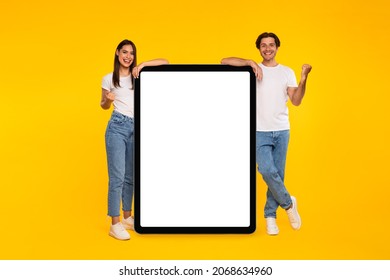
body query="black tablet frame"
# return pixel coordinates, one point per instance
(137, 148)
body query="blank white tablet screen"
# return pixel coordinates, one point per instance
(194, 149)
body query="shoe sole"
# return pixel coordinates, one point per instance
(113, 235)
(299, 217)
(273, 233)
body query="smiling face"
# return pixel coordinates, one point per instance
(268, 49)
(125, 56)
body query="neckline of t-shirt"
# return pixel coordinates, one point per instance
(271, 67)
(124, 77)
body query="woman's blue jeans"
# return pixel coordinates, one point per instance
(120, 160)
(271, 152)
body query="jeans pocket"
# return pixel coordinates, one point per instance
(117, 119)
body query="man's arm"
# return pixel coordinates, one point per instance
(235, 61)
(296, 94)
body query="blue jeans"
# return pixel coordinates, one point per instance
(120, 161)
(271, 151)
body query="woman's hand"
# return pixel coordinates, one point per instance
(136, 70)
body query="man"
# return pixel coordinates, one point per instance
(275, 85)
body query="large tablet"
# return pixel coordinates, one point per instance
(195, 133)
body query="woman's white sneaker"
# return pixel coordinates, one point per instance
(119, 232)
(272, 227)
(128, 223)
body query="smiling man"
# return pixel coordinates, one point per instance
(276, 84)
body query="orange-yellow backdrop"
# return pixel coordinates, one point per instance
(53, 55)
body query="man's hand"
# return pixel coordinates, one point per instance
(256, 69)
(306, 68)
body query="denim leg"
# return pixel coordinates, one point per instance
(280, 151)
(271, 151)
(127, 194)
(119, 130)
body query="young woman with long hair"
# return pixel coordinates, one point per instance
(118, 90)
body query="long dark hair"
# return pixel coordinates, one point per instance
(115, 76)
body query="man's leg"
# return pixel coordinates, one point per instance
(277, 193)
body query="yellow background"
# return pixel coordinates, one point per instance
(53, 180)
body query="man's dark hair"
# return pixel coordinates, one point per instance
(267, 35)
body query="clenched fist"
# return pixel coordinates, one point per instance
(110, 96)
(306, 68)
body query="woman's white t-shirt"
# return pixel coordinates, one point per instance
(124, 95)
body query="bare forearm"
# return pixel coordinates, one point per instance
(105, 103)
(107, 98)
(296, 94)
(299, 93)
(154, 62)
(236, 61)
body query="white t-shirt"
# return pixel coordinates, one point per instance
(272, 111)
(124, 95)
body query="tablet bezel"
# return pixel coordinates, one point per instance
(252, 152)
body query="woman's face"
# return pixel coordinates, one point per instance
(125, 55)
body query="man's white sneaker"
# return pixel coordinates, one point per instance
(272, 227)
(128, 223)
(293, 216)
(119, 232)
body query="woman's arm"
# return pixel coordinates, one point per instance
(107, 98)
(154, 62)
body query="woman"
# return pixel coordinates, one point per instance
(118, 89)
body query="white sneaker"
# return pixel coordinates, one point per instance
(119, 232)
(272, 227)
(128, 223)
(293, 216)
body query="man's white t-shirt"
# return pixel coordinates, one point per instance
(124, 95)
(272, 111)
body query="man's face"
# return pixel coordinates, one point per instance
(268, 48)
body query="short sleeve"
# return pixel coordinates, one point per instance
(107, 81)
(292, 80)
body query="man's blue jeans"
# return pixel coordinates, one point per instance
(120, 161)
(271, 151)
